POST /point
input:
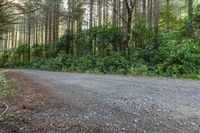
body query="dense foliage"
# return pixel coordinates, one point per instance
(103, 49)
(173, 58)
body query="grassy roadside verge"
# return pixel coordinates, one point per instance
(32, 103)
(7, 93)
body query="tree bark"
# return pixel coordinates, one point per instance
(99, 12)
(190, 14)
(91, 13)
(155, 24)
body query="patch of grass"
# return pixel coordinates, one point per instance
(8, 117)
(2, 81)
(6, 90)
(191, 76)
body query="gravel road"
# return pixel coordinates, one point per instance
(127, 104)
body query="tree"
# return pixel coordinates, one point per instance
(44, 21)
(129, 5)
(114, 14)
(91, 15)
(7, 17)
(99, 12)
(190, 14)
(155, 23)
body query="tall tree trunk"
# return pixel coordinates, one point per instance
(42, 33)
(6, 41)
(13, 38)
(24, 39)
(56, 20)
(155, 24)
(99, 12)
(46, 27)
(36, 31)
(50, 30)
(16, 35)
(119, 10)
(150, 13)
(91, 13)
(130, 6)
(114, 13)
(29, 37)
(144, 25)
(124, 14)
(190, 14)
(168, 14)
(144, 8)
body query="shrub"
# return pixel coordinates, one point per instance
(87, 63)
(51, 65)
(37, 63)
(114, 63)
(139, 69)
(176, 58)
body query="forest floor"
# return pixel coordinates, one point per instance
(66, 102)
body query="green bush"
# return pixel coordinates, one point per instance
(51, 65)
(177, 58)
(139, 68)
(66, 61)
(37, 63)
(114, 63)
(196, 18)
(87, 63)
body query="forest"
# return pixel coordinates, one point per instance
(134, 37)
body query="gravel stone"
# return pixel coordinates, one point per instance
(123, 103)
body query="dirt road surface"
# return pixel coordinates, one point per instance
(104, 103)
